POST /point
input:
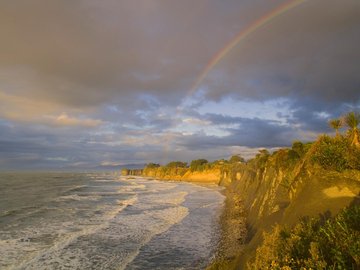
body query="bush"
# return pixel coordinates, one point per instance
(236, 159)
(152, 165)
(176, 164)
(298, 147)
(285, 159)
(318, 243)
(260, 158)
(198, 164)
(335, 154)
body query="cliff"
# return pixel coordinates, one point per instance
(273, 189)
(279, 189)
(133, 172)
(209, 175)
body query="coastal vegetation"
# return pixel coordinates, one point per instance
(352, 120)
(199, 164)
(236, 159)
(316, 243)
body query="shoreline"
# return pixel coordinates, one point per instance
(233, 232)
(205, 183)
(232, 224)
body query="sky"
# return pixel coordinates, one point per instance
(92, 84)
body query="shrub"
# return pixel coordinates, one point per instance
(176, 164)
(285, 158)
(298, 147)
(152, 165)
(335, 154)
(318, 243)
(198, 164)
(236, 159)
(261, 158)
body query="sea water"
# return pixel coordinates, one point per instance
(105, 221)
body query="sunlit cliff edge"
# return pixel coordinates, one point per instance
(180, 174)
(293, 201)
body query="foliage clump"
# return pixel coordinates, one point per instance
(342, 151)
(335, 153)
(352, 120)
(199, 164)
(176, 164)
(318, 243)
(300, 148)
(336, 124)
(236, 159)
(152, 165)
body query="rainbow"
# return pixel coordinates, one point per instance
(226, 49)
(241, 36)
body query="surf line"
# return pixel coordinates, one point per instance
(241, 36)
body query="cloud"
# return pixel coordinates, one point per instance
(85, 83)
(116, 50)
(64, 120)
(248, 132)
(196, 121)
(314, 58)
(20, 108)
(112, 51)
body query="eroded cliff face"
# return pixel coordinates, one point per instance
(180, 174)
(274, 192)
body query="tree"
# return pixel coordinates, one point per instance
(198, 164)
(263, 153)
(236, 159)
(152, 165)
(176, 164)
(298, 147)
(335, 124)
(352, 120)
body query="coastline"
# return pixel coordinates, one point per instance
(232, 223)
(233, 232)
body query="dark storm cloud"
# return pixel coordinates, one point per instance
(88, 52)
(309, 52)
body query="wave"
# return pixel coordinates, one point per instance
(76, 197)
(166, 198)
(99, 226)
(156, 222)
(21, 212)
(31, 249)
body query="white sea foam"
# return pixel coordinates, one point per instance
(128, 202)
(156, 222)
(28, 249)
(101, 227)
(127, 233)
(76, 197)
(175, 198)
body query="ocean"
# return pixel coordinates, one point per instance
(106, 221)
